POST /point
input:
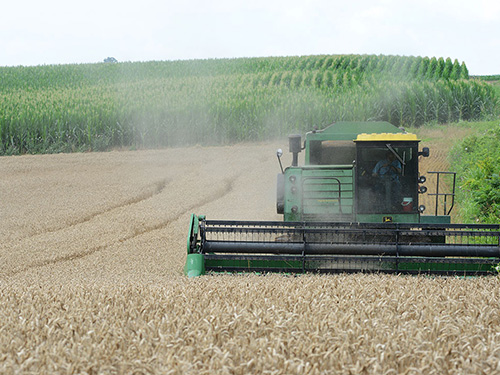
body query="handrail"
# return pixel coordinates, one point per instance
(337, 180)
(445, 195)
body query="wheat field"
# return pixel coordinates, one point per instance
(91, 280)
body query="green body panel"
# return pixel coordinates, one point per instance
(195, 265)
(195, 261)
(318, 191)
(194, 226)
(438, 219)
(388, 218)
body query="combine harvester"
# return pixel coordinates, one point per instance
(353, 207)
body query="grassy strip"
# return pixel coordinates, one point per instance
(476, 159)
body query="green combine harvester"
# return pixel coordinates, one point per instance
(353, 207)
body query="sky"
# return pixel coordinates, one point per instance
(34, 32)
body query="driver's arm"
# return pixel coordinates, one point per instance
(396, 167)
(376, 169)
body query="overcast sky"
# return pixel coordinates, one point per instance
(35, 32)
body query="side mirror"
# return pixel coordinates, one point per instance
(279, 153)
(424, 152)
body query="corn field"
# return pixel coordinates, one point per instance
(157, 104)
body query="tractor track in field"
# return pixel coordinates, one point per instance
(158, 188)
(153, 189)
(227, 188)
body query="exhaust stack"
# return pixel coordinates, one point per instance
(295, 146)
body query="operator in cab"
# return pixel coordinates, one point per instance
(388, 167)
(388, 185)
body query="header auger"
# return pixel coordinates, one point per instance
(352, 207)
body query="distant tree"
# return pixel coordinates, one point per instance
(438, 72)
(111, 60)
(448, 67)
(464, 72)
(424, 66)
(455, 71)
(431, 69)
(415, 66)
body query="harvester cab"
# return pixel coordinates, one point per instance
(352, 206)
(352, 175)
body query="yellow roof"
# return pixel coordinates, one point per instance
(387, 137)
